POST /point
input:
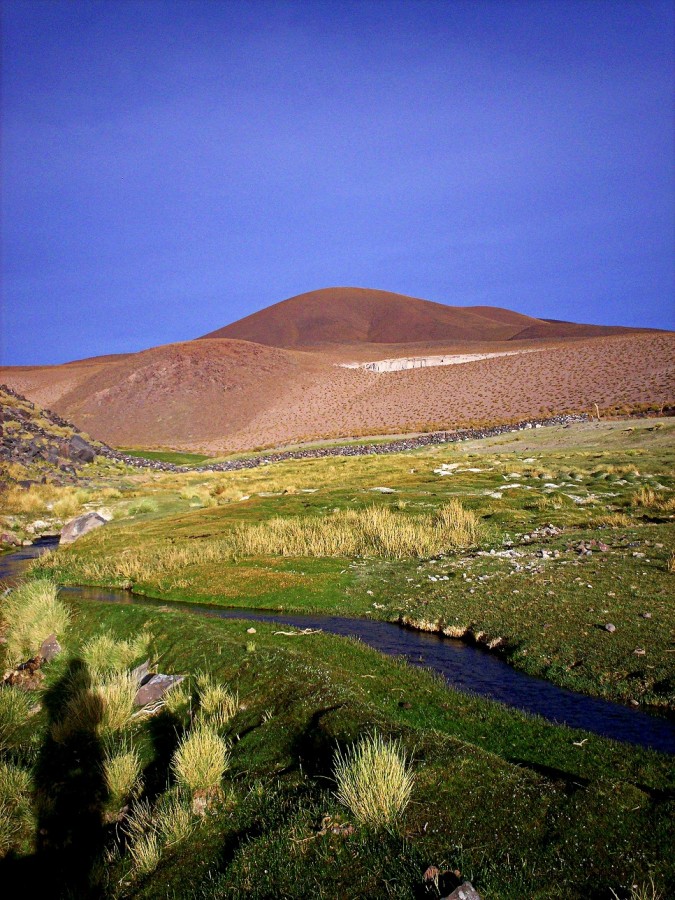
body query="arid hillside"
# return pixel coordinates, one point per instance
(221, 393)
(344, 315)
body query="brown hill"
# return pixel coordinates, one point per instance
(346, 315)
(223, 392)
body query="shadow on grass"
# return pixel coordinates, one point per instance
(70, 794)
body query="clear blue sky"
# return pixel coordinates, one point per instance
(169, 167)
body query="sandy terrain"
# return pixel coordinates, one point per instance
(221, 394)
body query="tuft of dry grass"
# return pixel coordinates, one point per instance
(653, 500)
(217, 704)
(374, 780)
(121, 772)
(102, 707)
(200, 761)
(31, 613)
(106, 654)
(14, 706)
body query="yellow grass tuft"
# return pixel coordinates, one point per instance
(374, 780)
(121, 772)
(102, 707)
(31, 613)
(217, 704)
(106, 654)
(200, 760)
(14, 706)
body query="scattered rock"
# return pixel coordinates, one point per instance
(27, 676)
(645, 615)
(74, 529)
(250, 631)
(611, 628)
(50, 648)
(639, 651)
(383, 490)
(154, 688)
(10, 539)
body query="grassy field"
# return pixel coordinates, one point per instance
(520, 807)
(318, 536)
(530, 543)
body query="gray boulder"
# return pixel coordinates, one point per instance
(80, 450)
(74, 529)
(50, 648)
(155, 687)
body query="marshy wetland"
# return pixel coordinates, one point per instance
(525, 546)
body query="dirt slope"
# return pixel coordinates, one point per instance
(344, 315)
(223, 392)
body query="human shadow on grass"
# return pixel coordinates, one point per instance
(70, 793)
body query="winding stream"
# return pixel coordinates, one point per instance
(464, 667)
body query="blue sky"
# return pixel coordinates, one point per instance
(169, 167)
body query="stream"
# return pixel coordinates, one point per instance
(464, 667)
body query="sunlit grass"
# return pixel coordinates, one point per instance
(374, 780)
(200, 761)
(30, 614)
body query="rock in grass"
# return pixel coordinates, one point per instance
(74, 529)
(611, 628)
(465, 891)
(155, 687)
(50, 648)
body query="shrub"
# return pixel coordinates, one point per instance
(374, 780)
(200, 760)
(31, 613)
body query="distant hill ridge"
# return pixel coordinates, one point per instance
(350, 315)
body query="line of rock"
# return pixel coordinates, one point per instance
(395, 446)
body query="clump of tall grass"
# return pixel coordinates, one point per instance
(217, 704)
(102, 707)
(150, 829)
(178, 703)
(14, 706)
(200, 760)
(31, 613)
(374, 531)
(650, 499)
(121, 773)
(374, 780)
(15, 790)
(104, 653)
(146, 505)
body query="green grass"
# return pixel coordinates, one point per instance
(520, 807)
(284, 548)
(508, 799)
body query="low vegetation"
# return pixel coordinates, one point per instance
(29, 615)
(309, 765)
(374, 780)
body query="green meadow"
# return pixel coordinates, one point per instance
(529, 544)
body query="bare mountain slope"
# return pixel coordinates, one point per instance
(225, 392)
(344, 315)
